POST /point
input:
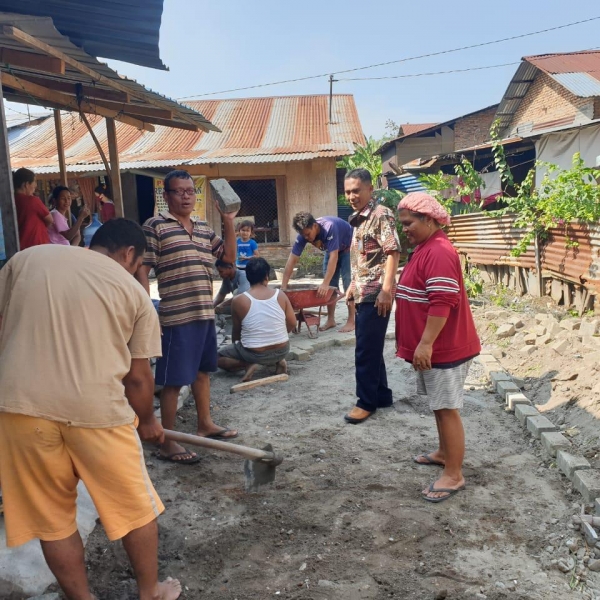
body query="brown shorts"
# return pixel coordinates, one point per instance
(41, 462)
(247, 355)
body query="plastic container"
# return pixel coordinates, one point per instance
(90, 230)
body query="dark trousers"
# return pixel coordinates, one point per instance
(371, 379)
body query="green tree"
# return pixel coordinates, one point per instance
(364, 157)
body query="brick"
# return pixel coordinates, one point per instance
(527, 350)
(516, 398)
(506, 330)
(544, 339)
(539, 330)
(541, 317)
(506, 387)
(587, 483)
(569, 464)
(561, 346)
(516, 321)
(570, 324)
(225, 195)
(524, 411)
(589, 328)
(553, 328)
(530, 338)
(553, 441)
(539, 425)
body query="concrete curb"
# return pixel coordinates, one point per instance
(576, 468)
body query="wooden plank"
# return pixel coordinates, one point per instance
(8, 211)
(248, 385)
(97, 143)
(28, 60)
(88, 91)
(115, 170)
(28, 40)
(60, 148)
(67, 102)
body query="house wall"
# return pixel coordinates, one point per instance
(425, 147)
(546, 101)
(473, 129)
(301, 185)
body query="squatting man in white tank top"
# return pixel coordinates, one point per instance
(262, 318)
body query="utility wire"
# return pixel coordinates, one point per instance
(400, 60)
(427, 74)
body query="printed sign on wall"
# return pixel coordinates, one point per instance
(200, 209)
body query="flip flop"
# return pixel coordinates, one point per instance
(220, 435)
(448, 491)
(429, 461)
(182, 461)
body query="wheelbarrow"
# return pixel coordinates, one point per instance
(304, 296)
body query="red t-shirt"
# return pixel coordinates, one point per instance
(432, 284)
(31, 213)
(107, 212)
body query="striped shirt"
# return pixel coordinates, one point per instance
(374, 238)
(183, 264)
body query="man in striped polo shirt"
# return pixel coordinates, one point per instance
(182, 250)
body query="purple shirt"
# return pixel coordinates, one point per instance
(335, 234)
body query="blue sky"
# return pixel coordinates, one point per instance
(213, 45)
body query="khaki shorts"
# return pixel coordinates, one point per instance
(41, 462)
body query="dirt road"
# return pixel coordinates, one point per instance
(344, 519)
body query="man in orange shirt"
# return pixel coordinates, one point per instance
(33, 218)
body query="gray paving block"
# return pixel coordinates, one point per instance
(524, 411)
(497, 376)
(225, 195)
(539, 425)
(553, 441)
(346, 341)
(516, 398)
(298, 354)
(569, 464)
(587, 483)
(506, 387)
(322, 344)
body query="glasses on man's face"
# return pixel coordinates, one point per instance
(180, 192)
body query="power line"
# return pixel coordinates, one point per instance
(400, 60)
(427, 74)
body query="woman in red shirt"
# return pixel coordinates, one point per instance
(436, 333)
(33, 218)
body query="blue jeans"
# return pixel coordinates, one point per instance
(371, 378)
(342, 270)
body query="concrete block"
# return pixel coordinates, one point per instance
(570, 324)
(516, 398)
(569, 464)
(506, 330)
(541, 317)
(530, 338)
(561, 346)
(346, 341)
(589, 328)
(225, 195)
(553, 441)
(490, 364)
(390, 335)
(497, 376)
(591, 342)
(298, 354)
(539, 330)
(539, 425)
(591, 537)
(544, 339)
(587, 483)
(597, 506)
(506, 387)
(323, 344)
(496, 314)
(553, 328)
(524, 411)
(516, 321)
(527, 350)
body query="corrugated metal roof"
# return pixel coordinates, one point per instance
(578, 72)
(127, 31)
(410, 128)
(405, 183)
(254, 130)
(42, 29)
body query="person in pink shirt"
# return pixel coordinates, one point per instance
(60, 232)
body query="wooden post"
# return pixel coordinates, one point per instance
(8, 211)
(60, 148)
(115, 171)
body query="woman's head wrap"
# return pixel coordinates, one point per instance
(425, 204)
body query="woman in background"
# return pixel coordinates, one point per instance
(60, 232)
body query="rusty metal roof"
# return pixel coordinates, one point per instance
(126, 31)
(410, 128)
(578, 72)
(254, 130)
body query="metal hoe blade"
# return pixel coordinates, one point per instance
(261, 471)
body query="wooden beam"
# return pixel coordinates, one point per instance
(115, 169)
(248, 385)
(97, 143)
(60, 148)
(68, 102)
(28, 40)
(8, 211)
(175, 124)
(135, 110)
(89, 91)
(28, 60)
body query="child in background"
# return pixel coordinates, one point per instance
(246, 248)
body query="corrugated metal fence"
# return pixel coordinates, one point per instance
(570, 255)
